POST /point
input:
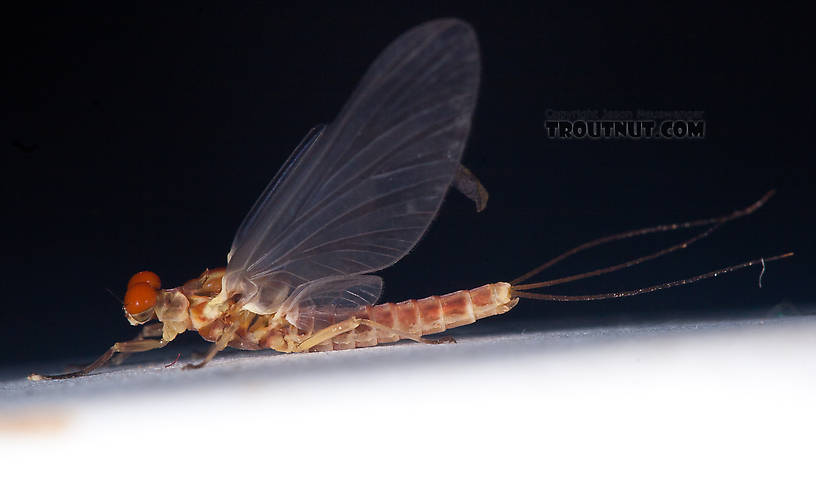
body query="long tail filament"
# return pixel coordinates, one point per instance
(648, 230)
(518, 290)
(645, 290)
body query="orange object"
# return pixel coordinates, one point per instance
(139, 297)
(148, 277)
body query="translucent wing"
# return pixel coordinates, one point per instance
(356, 196)
(317, 304)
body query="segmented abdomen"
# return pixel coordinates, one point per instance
(430, 315)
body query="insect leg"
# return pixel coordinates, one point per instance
(348, 325)
(468, 184)
(226, 336)
(131, 346)
(329, 333)
(416, 338)
(147, 331)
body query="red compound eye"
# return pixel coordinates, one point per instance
(145, 276)
(139, 297)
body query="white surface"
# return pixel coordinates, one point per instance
(713, 399)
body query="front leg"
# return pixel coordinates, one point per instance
(147, 331)
(131, 346)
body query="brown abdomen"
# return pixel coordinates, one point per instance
(430, 315)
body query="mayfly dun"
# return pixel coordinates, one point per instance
(353, 198)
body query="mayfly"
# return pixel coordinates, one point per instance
(355, 197)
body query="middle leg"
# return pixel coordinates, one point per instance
(225, 338)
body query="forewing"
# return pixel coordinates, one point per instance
(318, 304)
(359, 196)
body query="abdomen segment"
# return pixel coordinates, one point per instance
(430, 315)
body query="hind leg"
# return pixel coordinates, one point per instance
(348, 325)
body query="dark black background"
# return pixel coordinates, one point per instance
(138, 138)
